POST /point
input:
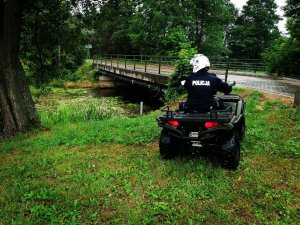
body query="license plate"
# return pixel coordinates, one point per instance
(197, 144)
(193, 134)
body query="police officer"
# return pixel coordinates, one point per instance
(202, 86)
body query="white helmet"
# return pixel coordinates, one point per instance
(199, 61)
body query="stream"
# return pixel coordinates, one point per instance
(133, 94)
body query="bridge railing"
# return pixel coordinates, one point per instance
(145, 63)
(238, 65)
(165, 65)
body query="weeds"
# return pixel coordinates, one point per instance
(80, 109)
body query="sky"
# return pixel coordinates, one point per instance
(281, 25)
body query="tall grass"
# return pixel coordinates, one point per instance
(80, 110)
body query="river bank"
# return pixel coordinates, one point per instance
(74, 105)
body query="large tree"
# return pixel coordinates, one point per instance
(255, 29)
(283, 56)
(111, 27)
(160, 28)
(16, 105)
(292, 11)
(45, 48)
(212, 20)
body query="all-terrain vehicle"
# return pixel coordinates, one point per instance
(219, 131)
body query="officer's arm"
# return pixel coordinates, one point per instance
(223, 87)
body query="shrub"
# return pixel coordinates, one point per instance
(182, 70)
(57, 82)
(83, 73)
(43, 91)
(283, 57)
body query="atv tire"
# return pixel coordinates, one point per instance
(168, 146)
(230, 154)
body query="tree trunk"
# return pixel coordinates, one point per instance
(16, 104)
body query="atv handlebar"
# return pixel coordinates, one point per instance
(232, 84)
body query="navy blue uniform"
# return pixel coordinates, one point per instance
(201, 88)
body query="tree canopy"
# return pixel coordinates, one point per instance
(146, 27)
(282, 57)
(255, 28)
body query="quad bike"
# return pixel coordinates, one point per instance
(219, 131)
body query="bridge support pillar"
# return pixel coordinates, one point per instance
(110, 82)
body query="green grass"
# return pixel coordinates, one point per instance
(109, 171)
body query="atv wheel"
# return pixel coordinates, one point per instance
(168, 147)
(230, 154)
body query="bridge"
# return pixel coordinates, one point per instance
(154, 71)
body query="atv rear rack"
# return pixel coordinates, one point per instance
(224, 116)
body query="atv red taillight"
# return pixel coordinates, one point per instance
(173, 123)
(211, 124)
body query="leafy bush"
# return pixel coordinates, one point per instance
(86, 72)
(83, 73)
(283, 57)
(43, 91)
(182, 70)
(57, 82)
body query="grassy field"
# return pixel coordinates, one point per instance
(107, 170)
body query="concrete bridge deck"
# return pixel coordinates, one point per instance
(135, 74)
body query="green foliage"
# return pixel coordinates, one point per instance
(155, 30)
(52, 45)
(57, 82)
(211, 21)
(146, 27)
(283, 56)
(85, 72)
(80, 110)
(291, 10)
(43, 91)
(254, 30)
(175, 41)
(111, 35)
(182, 71)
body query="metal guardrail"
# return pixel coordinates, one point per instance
(240, 65)
(165, 65)
(146, 63)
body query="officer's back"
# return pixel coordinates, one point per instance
(202, 85)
